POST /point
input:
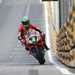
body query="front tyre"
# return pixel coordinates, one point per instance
(38, 53)
(41, 61)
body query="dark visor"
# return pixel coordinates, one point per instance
(26, 22)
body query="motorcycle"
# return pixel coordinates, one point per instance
(35, 45)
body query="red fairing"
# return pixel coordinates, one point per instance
(38, 44)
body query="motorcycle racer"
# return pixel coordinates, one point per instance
(25, 27)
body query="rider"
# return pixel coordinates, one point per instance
(24, 27)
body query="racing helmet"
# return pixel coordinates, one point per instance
(26, 22)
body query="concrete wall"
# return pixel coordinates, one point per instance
(52, 22)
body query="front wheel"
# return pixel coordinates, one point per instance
(38, 53)
(41, 61)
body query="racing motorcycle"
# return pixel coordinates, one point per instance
(34, 43)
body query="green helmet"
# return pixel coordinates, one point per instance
(24, 19)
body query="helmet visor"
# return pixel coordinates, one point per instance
(26, 22)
